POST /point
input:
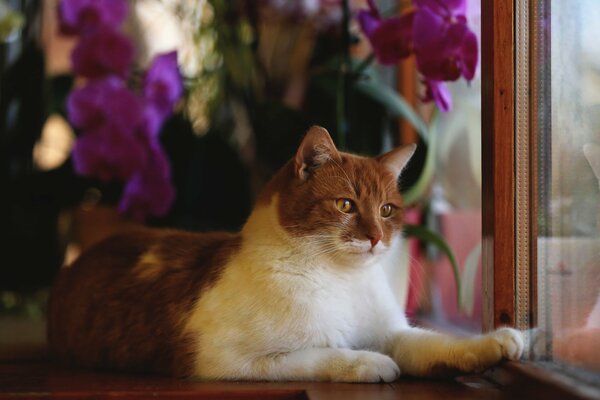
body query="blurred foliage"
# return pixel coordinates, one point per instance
(29, 304)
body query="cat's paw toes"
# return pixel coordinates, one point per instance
(511, 342)
(490, 349)
(372, 367)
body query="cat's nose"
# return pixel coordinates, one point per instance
(375, 238)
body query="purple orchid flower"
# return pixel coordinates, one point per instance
(446, 48)
(84, 16)
(110, 145)
(438, 92)
(162, 86)
(104, 52)
(150, 191)
(118, 128)
(102, 101)
(108, 154)
(390, 38)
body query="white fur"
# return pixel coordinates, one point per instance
(280, 312)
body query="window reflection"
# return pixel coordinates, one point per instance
(569, 248)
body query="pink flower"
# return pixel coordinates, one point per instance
(104, 101)
(104, 52)
(390, 38)
(458, 7)
(446, 48)
(84, 16)
(150, 191)
(119, 141)
(438, 92)
(162, 86)
(110, 145)
(436, 32)
(108, 154)
(118, 138)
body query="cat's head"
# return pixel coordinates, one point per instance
(343, 206)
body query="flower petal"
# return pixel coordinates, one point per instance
(368, 22)
(448, 52)
(150, 191)
(104, 52)
(392, 40)
(443, 7)
(85, 105)
(106, 100)
(438, 92)
(162, 85)
(85, 16)
(108, 154)
(469, 53)
(428, 28)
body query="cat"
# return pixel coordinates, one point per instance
(298, 295)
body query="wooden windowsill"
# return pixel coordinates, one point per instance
(523, 379)
(44, 379)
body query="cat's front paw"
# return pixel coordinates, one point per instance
(368, 366)
(490, 349)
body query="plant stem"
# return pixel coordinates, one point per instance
(364, 64)
(344, 84)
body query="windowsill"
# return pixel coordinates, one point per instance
(536, 380)
(44, 379)
(30, 374)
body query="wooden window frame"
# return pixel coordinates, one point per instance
(510, 181)
(498, 162)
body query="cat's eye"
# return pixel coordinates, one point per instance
(344, 205)
(386, 210)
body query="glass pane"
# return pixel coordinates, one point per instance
(569, 163)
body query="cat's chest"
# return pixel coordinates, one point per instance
(274, 310)
(338, 311)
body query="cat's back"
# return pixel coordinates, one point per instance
(122, 303)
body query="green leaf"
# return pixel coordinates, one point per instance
(418, 190)
(431, 237)
(393, 102)
(468, 280)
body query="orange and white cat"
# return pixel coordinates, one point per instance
(298, 294)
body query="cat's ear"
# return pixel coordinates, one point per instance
(397, 159)
(315, 150)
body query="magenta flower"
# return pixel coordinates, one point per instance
(457, 7)
(149, 192)
(119, 141)
(438, 92)
(162, 85)
(104, 101)
(445, 46)
(83, 16)
(118, 129)
(108, 154)
(104, 52)
(110, 145)
(390, 38)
